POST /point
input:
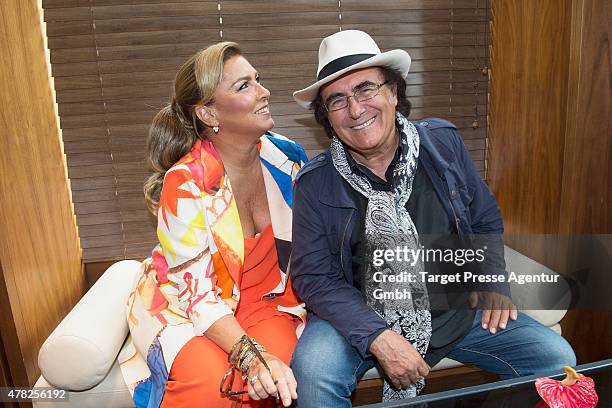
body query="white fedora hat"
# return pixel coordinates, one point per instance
(346, 51)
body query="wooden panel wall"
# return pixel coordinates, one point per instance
(587, 172)
(586, 191)
(529, 70)
(5, 371)
(14, 369)
(42, 274)
(550, 140)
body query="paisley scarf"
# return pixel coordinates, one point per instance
(388, 226)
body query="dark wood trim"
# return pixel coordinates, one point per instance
(93, 270)
(370, 391)
(6, 380)
(9, 340)
(590, 334)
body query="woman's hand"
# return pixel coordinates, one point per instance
(232, 303)
(278, 382)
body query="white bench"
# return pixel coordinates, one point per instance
(81, 353)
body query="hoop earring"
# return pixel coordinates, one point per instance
(216, 129)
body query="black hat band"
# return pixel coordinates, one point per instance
(341, 63)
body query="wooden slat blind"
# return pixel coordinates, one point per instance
(282, 41)
(114, 61)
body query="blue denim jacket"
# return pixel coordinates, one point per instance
(324, 217)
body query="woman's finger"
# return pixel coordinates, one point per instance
(267, 383)
(283, 391)
(291, 382)
(255, 382)
(252, 394)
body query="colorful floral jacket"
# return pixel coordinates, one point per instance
(180, 290)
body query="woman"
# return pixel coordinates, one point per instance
(215, 289)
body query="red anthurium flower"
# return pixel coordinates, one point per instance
(575, 391)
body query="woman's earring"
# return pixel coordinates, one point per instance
(216, 129)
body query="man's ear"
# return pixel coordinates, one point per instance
(393, 90)
(207, 115)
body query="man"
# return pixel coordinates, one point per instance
(386, 182)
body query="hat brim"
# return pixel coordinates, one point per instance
(394, 59)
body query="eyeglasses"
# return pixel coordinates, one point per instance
(226, 384)
(361, 95)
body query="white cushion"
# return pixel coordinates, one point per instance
(371, 373)
(446, 363)
(81, 350)
(548, 318)
(109, 393)
(550, 300)
(534, 294)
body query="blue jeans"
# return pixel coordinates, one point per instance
(327, 367)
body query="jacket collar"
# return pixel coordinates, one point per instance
(437, 154)
(335, 193)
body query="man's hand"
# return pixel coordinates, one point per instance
(496, 309)
(399, 359)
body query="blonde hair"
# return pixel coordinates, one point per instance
(176, 127)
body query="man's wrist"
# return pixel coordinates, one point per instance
(378, 343)
(374, 336)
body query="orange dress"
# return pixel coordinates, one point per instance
(198, 368)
